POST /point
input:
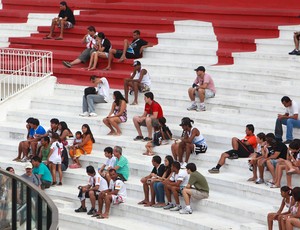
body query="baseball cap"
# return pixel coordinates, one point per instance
(185, 121)
(200, 68)
(28, 165)
(135, 63)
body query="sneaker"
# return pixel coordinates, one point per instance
(67, 64)
(169, 206)
(92, 211)
(183, 165)
(287, 142)
(186, 211)
(176, 208)
(147, 139)
(93, 115)
(24, 159)
(233, 156)
(192, 107)
(201, 108)
(138, 138)
(259, 181)
(84, 114)
(81, 209)
(294, 52)
(214, 170)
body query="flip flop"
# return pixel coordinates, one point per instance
(134, 103)
(47, 37)
(102, 217)
(142, 202)
(59, 38)
(274, 186)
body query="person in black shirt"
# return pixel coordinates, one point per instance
(148, 181)
(65, 20)
(102, 48)
(130, 50)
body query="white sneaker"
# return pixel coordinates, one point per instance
(183, 165)
(186, 211)
(24, 159)
(93, 115)
(84, 114)
(201, 108)
(192, 107)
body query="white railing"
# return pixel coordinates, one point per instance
(20, 68)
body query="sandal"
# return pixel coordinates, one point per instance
(142, 202)
(59, 38)
(134, 103)
(47, 37)
(274, 186)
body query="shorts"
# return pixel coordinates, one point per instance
(119, 53)
(273, 162)
(242, 151)
(86, 195)
(208, 93)
(123, 118)
(68, 25)
(55, 160)
(200, 148)
(117, 199)
(144, 88)
(199, 194)
(154, 122)
(86, 54)
(46, 184)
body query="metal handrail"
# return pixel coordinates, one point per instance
(41, 195)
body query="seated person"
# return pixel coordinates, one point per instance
(149, 118)
(130, 50)
(240, 148)
(156, 141)
(65, 20)
(178, 180)
(121, 166)
(272, 151)
(293, 220)
(148, 181)
(110, 162)
(45, 149)
(192, 141)
(116, 194)
(102, 48)
(139, 81)
(196, 188)
(42, 171)
(54, 122)
(96, 185)
(165, 131)
(296, 36)
(77, 140)
(28, 175)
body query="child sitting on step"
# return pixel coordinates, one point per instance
(156, 141)
(165, 131)
(110, 163)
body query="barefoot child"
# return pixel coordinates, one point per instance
(77, 140)
(157, 138)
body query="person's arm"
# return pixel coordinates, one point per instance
(50, 153)
(84, 141)
(113, 105)
(142, 74)
(64, 135)
(122, 109)
(275, 155)
(188, 186)
(281, 207)
(187, 139)
(145, 46)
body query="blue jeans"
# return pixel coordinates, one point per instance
(89, 100)
(159, 192)
(290, 124)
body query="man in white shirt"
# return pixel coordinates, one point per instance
(91, 45)
(116, 194)
(290, 119)
(175, 184)
(95, 185)
(100, 95)
(139, 80)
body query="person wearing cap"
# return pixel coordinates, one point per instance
(191, 141)
(204, 87)
(240, 148)
(91, 45)
(139, 81)
(101, 96)
(28, 175)
(65, 20)
(149, 118)
(130, 50)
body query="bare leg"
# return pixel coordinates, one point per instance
(126, 45)
(223, 158)
(149, 126)
(107, 123)
(110, 58)
(136, 91)
(191, 92)
(137, 125)
(201, 93)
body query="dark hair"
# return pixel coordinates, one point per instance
(35, 121)
(112, 170)
(91, 28)
(90, 169)
(191, 166)
(78, 132)
(162, 121)
(88, 132)
(285, 99)
(37, 158)
(137, 32)
(286, 189)
(54, 121)
(156, 159)
(261, 136)
(93, 77)
(9, 168)
(119, 97)
(271, 135)
(118, 149)
(101, 35)
(186, 121)
(168, 168)
(294, 145)
(63, 3)
(29, 120)
(271, 141)
(64, 127)
(250, 127)
(55, 136)
(149, 95)
(108, 150)
(296, 193)
(176, 164)
(46, 138)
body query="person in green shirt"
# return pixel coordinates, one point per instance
(45, 149)
(197, 188)
(121, 166)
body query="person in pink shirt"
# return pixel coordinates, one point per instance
(204, 87)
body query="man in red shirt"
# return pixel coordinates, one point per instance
(240, 148)
(152, 113)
